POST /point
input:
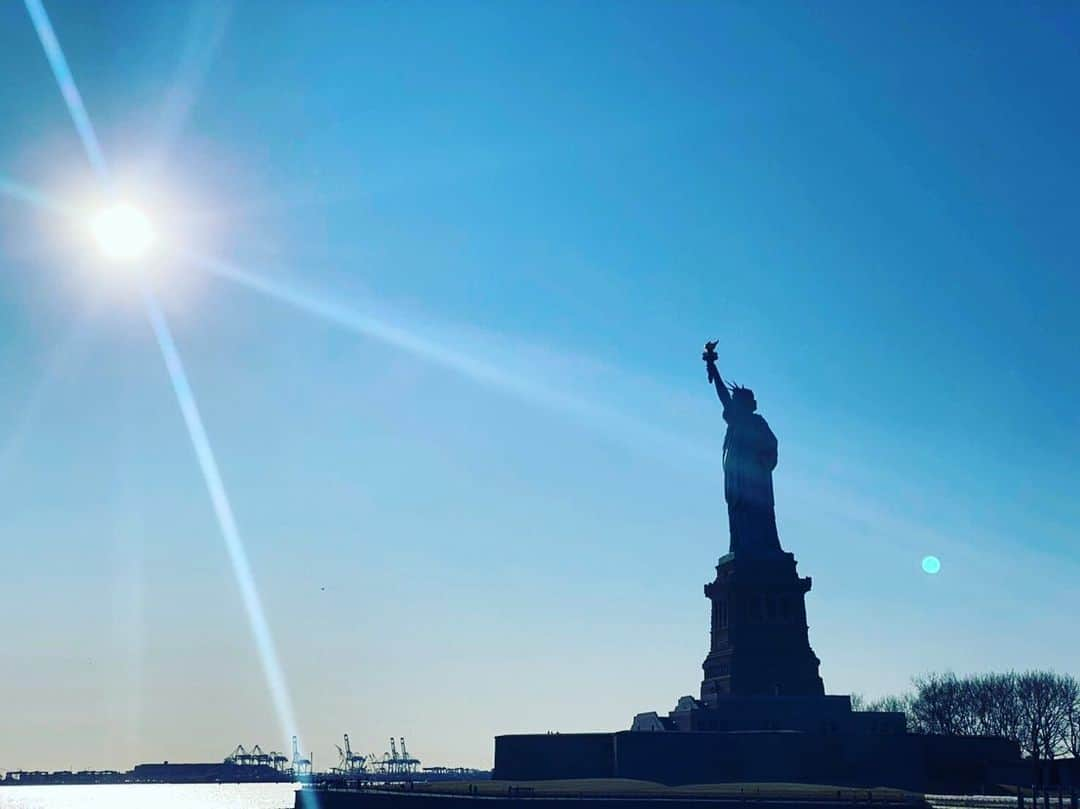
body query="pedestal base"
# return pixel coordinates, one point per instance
(759, 644)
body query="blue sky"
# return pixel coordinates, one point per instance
(873, 208)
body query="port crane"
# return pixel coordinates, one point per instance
(240, 757)
(278, 761)
(257, 758)
(396, 762)
(349, 763)
(407, 761)
(300, 766)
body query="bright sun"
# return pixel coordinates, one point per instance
(123, 232)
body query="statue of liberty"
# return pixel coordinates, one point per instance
(750, 455)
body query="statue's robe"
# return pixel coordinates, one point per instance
(750, 456)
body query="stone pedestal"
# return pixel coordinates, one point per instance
(759, 642)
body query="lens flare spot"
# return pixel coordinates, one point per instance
(123, 232)
(931, 565)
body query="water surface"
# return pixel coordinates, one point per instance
(149, 796)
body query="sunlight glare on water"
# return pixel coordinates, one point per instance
(149, 796)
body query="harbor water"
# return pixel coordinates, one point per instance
(149, 796)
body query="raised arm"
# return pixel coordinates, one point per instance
(710, 357)
(718, 383)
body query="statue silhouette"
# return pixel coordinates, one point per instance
(750, 456)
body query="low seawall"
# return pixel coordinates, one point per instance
(630, 796)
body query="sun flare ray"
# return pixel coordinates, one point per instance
(70, 91)
(219, 498)
(120, 238)
(602, 417)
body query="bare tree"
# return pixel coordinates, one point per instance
(995, 705)
(940, 705)
(1046, 700)
(897, 703)
(1072, 717)
(1040, 710)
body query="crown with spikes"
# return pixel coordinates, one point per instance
(738, 391)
